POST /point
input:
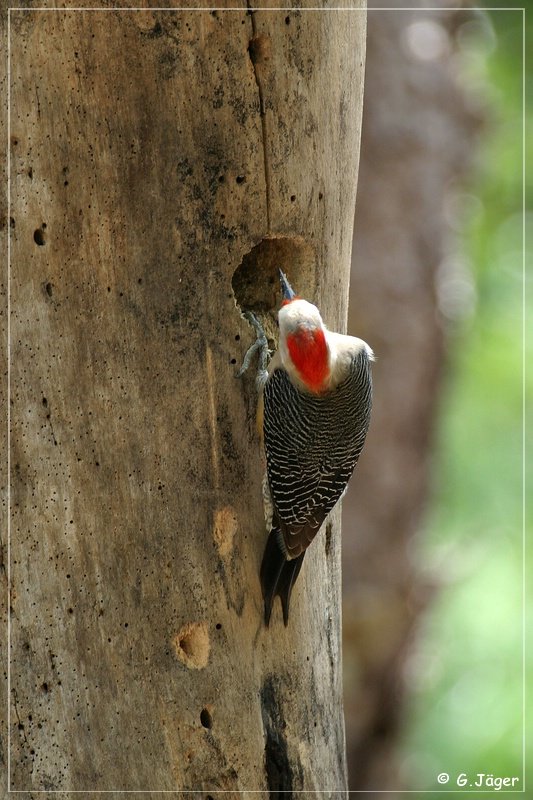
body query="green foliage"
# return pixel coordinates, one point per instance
(467, 673)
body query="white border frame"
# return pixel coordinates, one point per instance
(8, 226)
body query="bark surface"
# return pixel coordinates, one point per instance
(163, 165)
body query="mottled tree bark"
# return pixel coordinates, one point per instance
(418, 134)
(163, 165)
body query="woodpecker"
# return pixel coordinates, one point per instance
(314, 410)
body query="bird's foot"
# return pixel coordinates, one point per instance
(261, 346)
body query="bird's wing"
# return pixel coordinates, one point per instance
(308, 461)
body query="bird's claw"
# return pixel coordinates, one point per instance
(261, 345)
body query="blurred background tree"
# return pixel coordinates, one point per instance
(433, 520)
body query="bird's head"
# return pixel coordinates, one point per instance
(303, 341)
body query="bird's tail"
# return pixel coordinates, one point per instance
(278, 575)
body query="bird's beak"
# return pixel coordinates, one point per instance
(286, 288)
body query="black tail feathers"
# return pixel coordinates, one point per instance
(278, 576)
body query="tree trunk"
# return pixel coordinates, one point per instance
(163, 165)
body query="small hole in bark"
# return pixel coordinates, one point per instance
(44, 687)
(49, 289)
(218, 626)
(320, 195)
(240, 178)
(45, 401)
(225, 526)
(259, 49)
(293, 198)
(191, 645)
(287, 20)
(233, 361)
(206, 718)
(221, 179)
(38, 237)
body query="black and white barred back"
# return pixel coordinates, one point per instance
(312, 444)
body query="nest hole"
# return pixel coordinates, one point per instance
(255, 282)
